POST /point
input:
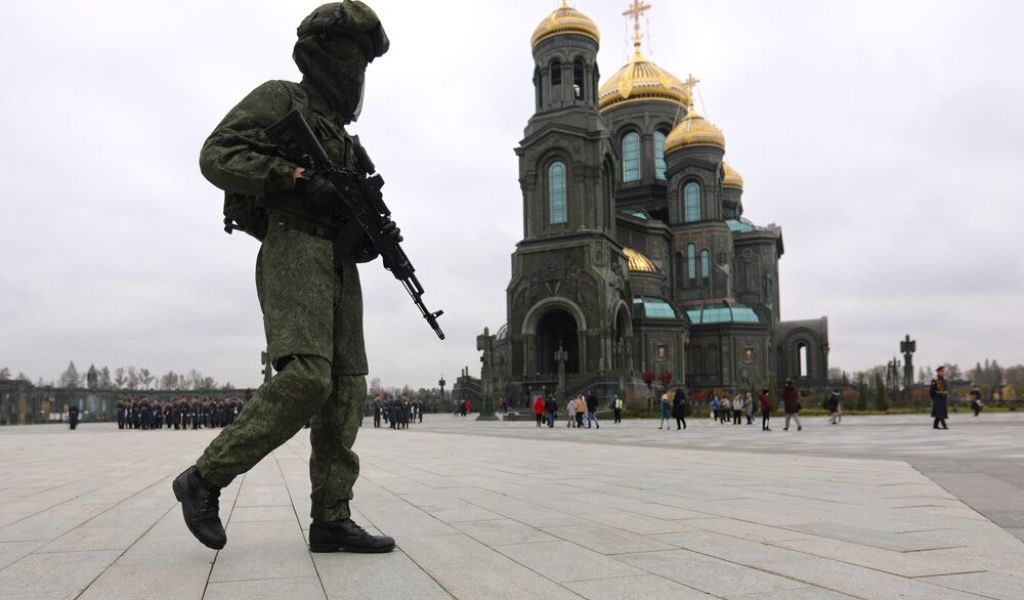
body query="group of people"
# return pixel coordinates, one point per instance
(185, 413)
(580, 412)
(733, 407)
(396, 412)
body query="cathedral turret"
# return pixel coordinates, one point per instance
(565, 48)
(568, 272)
(732, 192)
(693, 159)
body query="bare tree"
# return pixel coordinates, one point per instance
(133, 378)
(119, 378)
(5, 373)
(145, 378)
(105, 382)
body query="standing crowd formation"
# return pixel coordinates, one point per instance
(397, 412)
(184, 413)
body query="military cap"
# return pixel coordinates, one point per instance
(350, 19)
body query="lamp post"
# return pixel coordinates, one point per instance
(441, 383)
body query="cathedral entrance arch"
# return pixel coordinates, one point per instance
(557, 328)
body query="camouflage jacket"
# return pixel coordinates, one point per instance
(239, 158)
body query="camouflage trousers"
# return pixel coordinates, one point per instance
(313, 321)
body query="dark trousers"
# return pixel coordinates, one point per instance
(765, 415)
(376, 420)
(940, 423)
(680, 421)
(736, 417)
(540, 419)
(618, 415)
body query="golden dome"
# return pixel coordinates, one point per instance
(732, 178)
(694, 130)
(641, 79)
(565, 20)
(638, 262)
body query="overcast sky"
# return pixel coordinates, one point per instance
(884, 137)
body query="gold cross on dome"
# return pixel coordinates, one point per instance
(635, 11)
(690, 83)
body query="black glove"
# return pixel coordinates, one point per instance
(318, 192)
(391, 230)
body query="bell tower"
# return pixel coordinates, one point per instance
(569, 276)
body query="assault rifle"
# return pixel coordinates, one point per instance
(359, 200)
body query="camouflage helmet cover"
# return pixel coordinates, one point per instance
(350, 19)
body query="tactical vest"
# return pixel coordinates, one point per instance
(249, 213)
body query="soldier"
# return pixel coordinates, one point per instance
(122, 414)
(73, 416)
(939, 393)
(311, 299)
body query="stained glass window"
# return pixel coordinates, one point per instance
(631, 156)
(556, 192)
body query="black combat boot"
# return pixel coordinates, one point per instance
(200, 501)
(346, 535)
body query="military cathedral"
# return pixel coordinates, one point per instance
(635, 257)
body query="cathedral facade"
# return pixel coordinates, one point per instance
(635, 258)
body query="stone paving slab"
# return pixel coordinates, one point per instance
(484, 510)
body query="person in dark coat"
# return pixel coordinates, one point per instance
(73, 416)
(592, 409)
(765, 400)
(376, 414)
(976, 404)
(679, 408)
(551, 408)
(939, 392)
(122, 415)
(791, 404)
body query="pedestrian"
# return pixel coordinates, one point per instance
(581, 410)
(592, 409)
(376, 413)
(679, 408)
(833, 407)
(538, 409)
(666, 411)
(122, 414)
(73, 416)
(939, 393)
(765, 400)
(748, 408)
(618, 408)
(715, 407)
(310, 297)
(737, 408)
(791, 404)
(570, 412)
(976, 404)
(551, 408)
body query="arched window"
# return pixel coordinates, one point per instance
(556, 73)
(577, 79)
(705, 264)
(556, 192)
(691, 198)
(691, 261)
(659, 155)
(801, 352)
(631, 156)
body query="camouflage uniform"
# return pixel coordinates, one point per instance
(312, 303)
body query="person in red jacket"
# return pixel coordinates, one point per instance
(538, 408)
(791, 397)
(765, 399)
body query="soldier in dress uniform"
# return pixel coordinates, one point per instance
(939, 393)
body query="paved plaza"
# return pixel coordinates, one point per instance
(875, 508)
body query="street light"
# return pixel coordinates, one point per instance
(441, 383)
